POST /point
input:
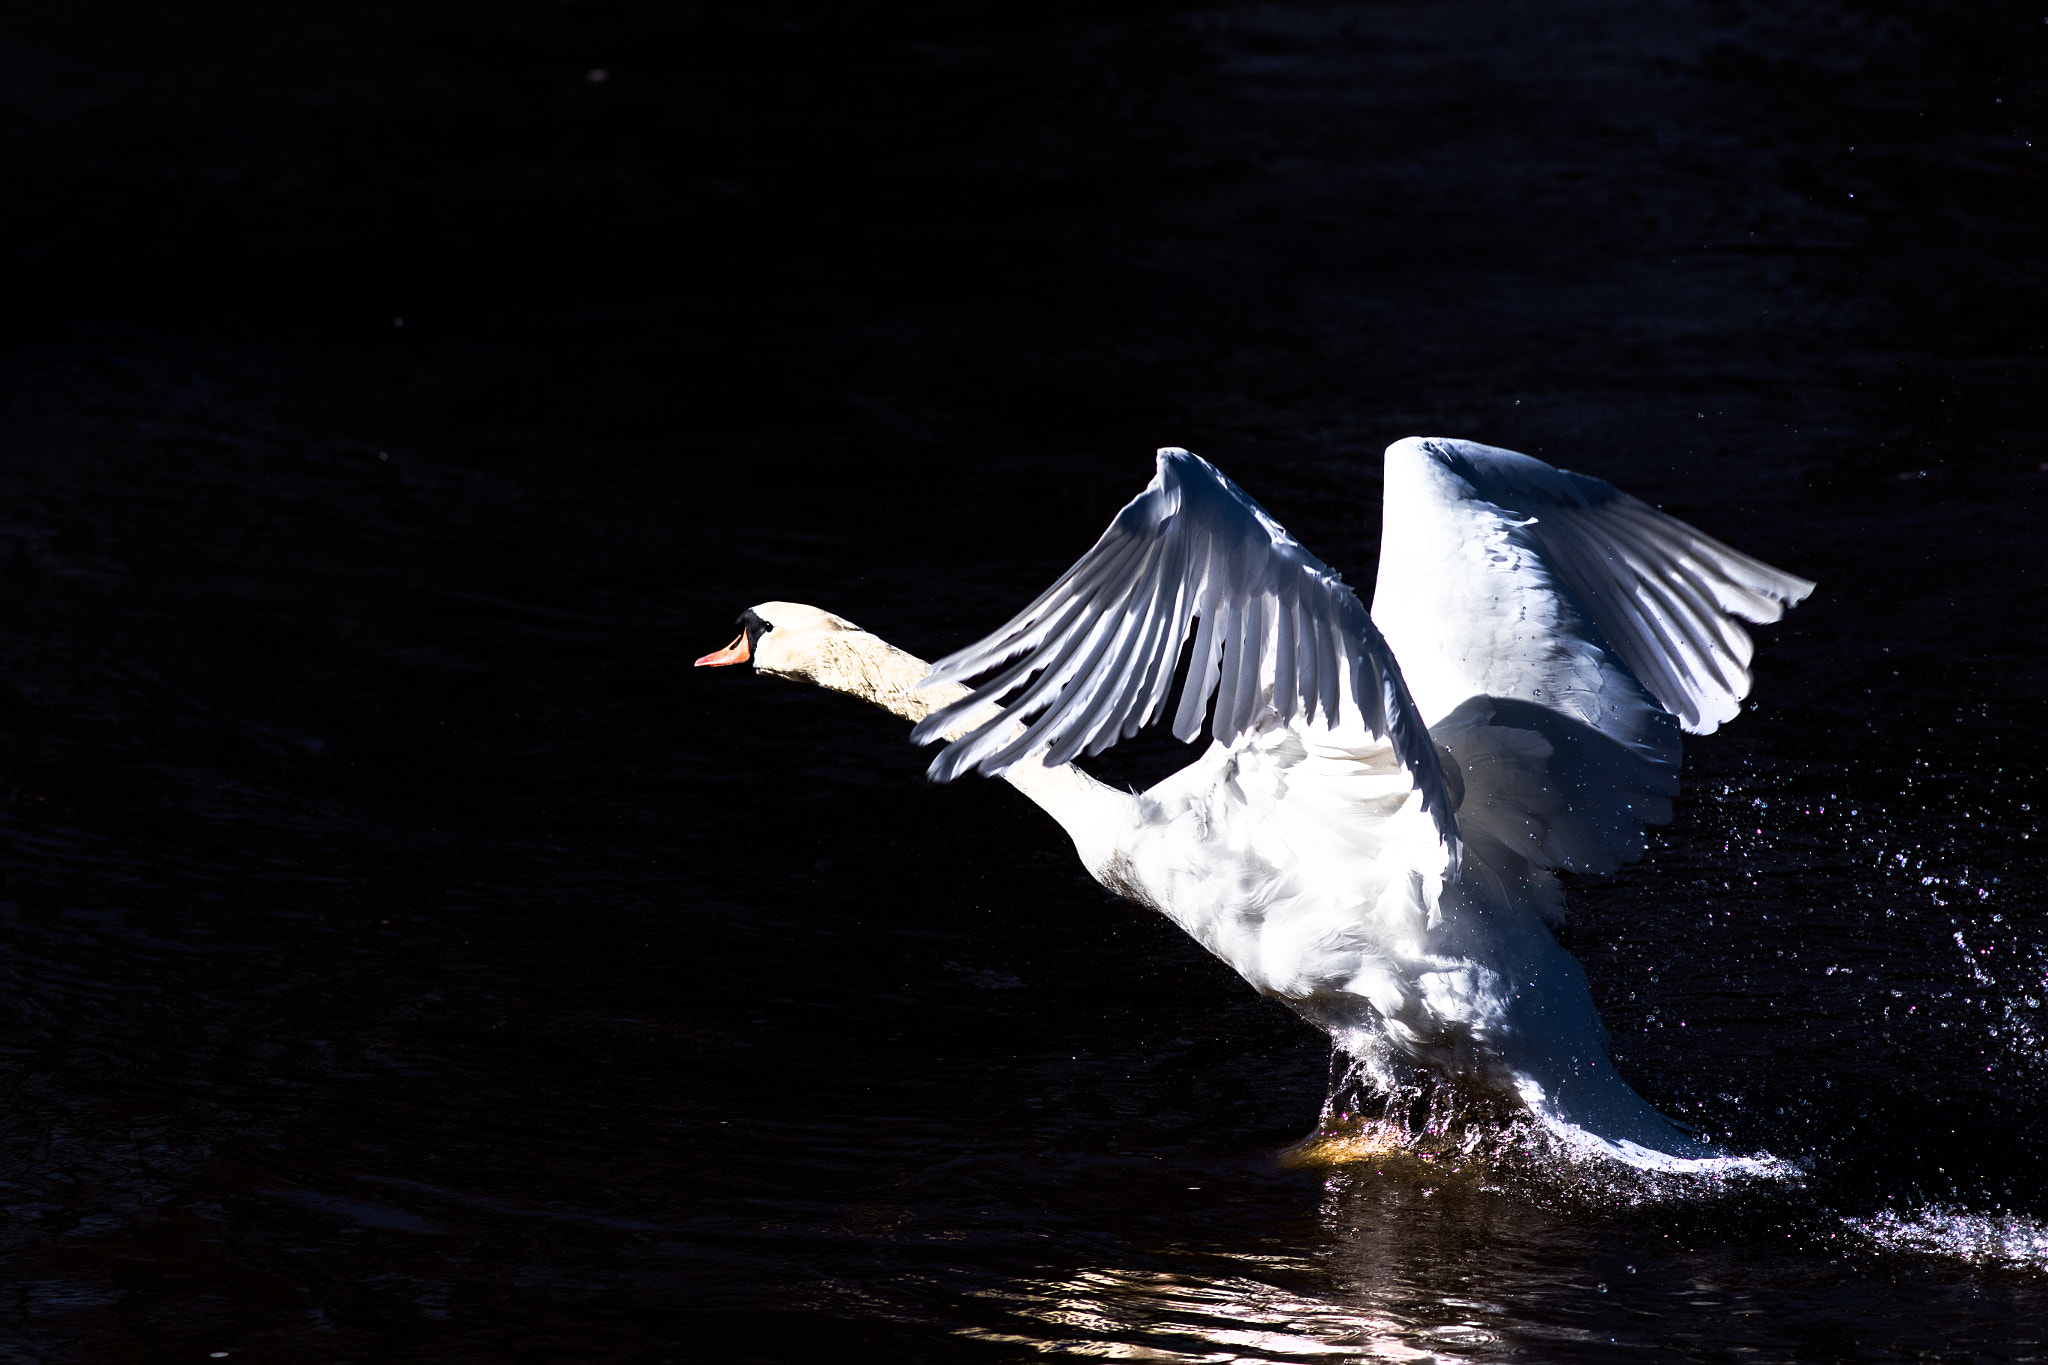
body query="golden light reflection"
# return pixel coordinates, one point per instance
(1425, 1246)
(1115, 1314)
(1376, 1283)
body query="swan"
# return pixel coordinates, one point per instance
(1374, 832)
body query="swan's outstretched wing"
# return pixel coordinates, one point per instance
(1501, 577)
(1530, 581)
(1092, 660)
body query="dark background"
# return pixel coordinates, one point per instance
(404, 955)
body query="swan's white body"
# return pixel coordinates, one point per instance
(1373, 843)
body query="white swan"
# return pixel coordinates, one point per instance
(1374, 844)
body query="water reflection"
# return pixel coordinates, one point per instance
(1417, 1257)
(1163, 1316)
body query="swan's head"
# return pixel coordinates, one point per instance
(786, 640)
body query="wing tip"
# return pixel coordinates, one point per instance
(1447, 833)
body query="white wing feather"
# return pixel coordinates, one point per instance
(1570, 560)
(1093, 659)
(1525, 596)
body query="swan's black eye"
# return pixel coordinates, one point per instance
(755, 627)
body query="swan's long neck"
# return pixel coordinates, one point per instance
(868, 667)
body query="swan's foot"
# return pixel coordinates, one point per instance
(1348, 1143)
(1386, 1107)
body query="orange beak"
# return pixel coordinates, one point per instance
(734, 653)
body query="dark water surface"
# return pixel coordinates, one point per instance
(404, 955)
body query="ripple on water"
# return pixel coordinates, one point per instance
(1151, 1315)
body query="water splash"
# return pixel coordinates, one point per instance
(1990, 1239)
(1373, 1114)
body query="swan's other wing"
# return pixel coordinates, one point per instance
(1526, 581)
(1092, 660)
(1502, 577)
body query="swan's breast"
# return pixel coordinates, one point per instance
(1298, 878)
